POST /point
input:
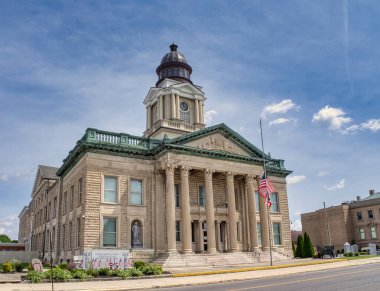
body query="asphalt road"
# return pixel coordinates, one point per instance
(363, 278)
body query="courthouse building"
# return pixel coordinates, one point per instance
(182, 188)
(357, 220)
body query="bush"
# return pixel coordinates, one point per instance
(63, 266)
(7, 267)
(350, 254)
(139, 265)
(300, 253)
(308, 246)
(104, 272)
(133, 272)
(346, 255)
(80, 274)
(35, 277)
(356, 254)
(120, 273)
(29, 267)
(151, 269)
(58, 274)
(19, 266)
(92, 272)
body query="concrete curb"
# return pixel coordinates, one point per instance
(189, 274)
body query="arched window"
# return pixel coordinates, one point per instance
(136, 234)
(184, 110)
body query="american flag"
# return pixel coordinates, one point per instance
(265, 189)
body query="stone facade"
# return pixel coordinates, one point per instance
(356, 220)
(182, 188)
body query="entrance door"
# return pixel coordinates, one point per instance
(204, 227)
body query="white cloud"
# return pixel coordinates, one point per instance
(296, 223)
(4, 177)
(281, 107)
(339, 185)
(323, 173)
(209, 116)
(334, 117)
(280, 120)
(9, 226)
(372, 124)
(295, 179)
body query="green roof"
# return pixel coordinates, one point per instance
(122, 144)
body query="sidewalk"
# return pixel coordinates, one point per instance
(186, 280)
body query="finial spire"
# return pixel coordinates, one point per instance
(173, 47)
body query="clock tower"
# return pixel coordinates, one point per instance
(175, 106)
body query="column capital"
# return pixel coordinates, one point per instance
(250, 178)
(169, 169)
(185, 169)
(230, 175)
(209, 171)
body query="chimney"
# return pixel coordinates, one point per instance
(358, 198)
(371, 192)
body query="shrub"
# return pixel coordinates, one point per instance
(350, 254)
(104, 272)
(63, 266)
(139, 265)
(35, 277)
(92, 272)
(19, 266)
(151, 269)
(80, 274)
(308, 246)
(29, 267)
(133, 272)
(58, 274)
(356, 254)
(121, 273)
(300, 253)
(346, 255)
(7, 267)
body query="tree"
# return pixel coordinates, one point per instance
(4, 238)
(294, 249)
(299, 250)
(308, 246)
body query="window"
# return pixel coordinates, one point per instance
(359, 215)
(45, 213)
(257, 201)
(78, 232)
(136, 192)
(71, 197)
(361, 233)
(373, 232)
(184, 113)
(202, 197)
(274, 200)
(64, 202)
(63, 236)
(109, 232)
(70, 234)
(49, 211)
(80, 191)
(176, 191)
(177, 231)
(259, 234)
(192, 232)
(53, 239)
(370, 214)
(276, 234)
(110, 189)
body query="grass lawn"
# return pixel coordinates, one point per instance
(360, 257)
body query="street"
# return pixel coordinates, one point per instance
(362, 277)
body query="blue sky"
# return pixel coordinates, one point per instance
(310, 68)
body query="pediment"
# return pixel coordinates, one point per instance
(218, 142)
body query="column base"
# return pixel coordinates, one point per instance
(172, 251)
(186, 252)
(212, 251)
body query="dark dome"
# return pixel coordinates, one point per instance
(174, 66)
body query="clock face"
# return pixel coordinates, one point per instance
(184, 106)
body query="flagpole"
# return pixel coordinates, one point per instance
(266, 190)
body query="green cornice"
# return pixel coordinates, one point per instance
(120, 144)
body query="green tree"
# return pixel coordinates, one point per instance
(294, 249)
(299, 250)
(4, 238)
(308, 246)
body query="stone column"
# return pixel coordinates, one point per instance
(202, 119)
(185, 208)
(159, 215)
(173, 111)
(232, 239)
(149, 117)
(170, 209)
(177, 106)
(200, 236)
(254, 245)
(263, 221)
(210, 220)
(160, 107)
(218, 243)
(196, 112)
